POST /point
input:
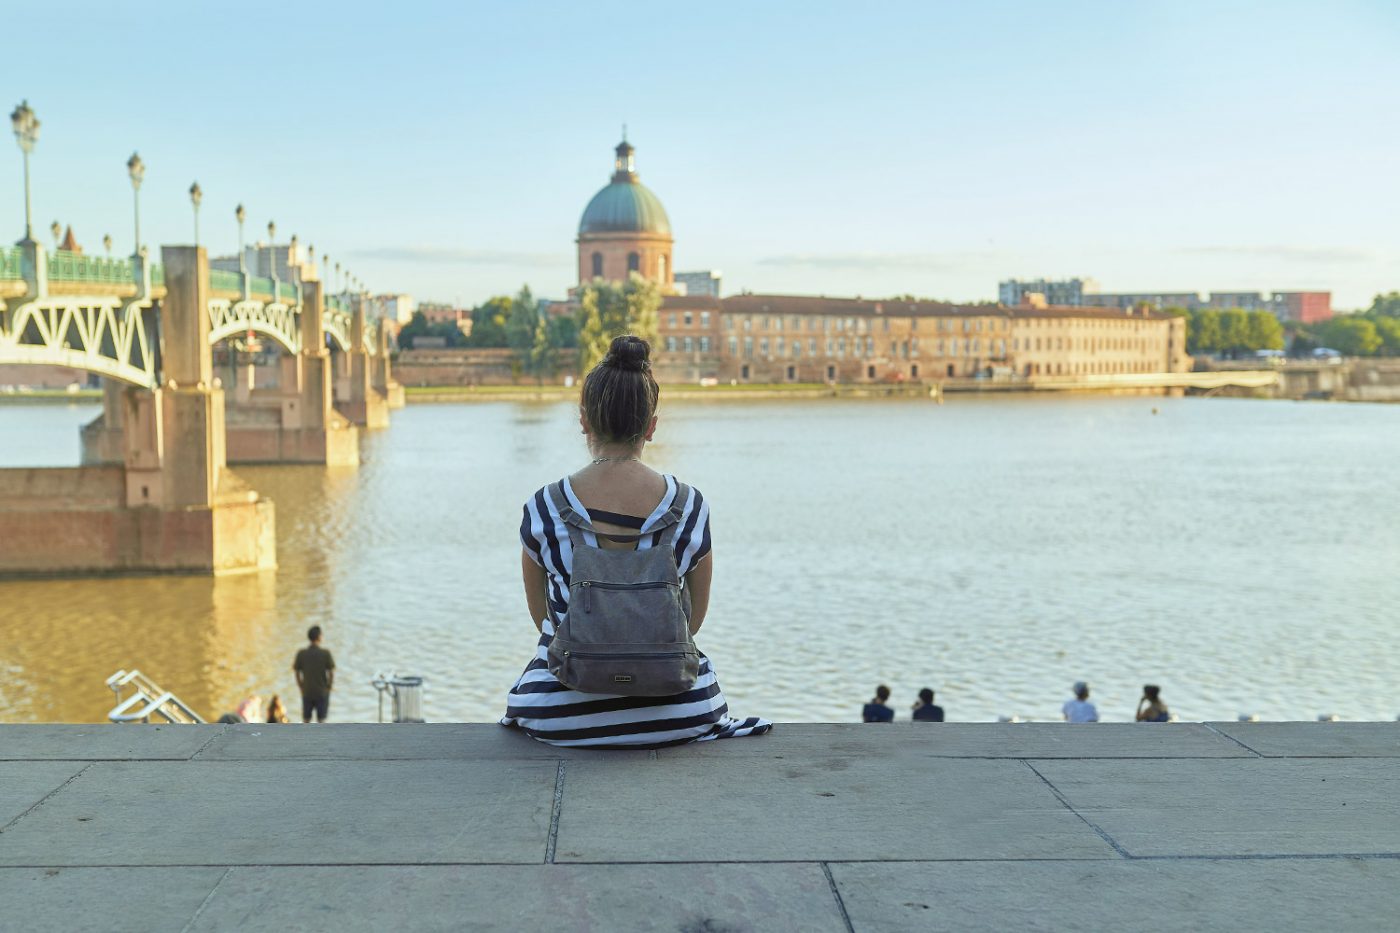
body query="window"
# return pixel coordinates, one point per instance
(687, 345)
(894, 348)
(870, 372)
(689, 319)
(914, 346)
(763, 346)
(728, 322)
(828, 346)
(953, 347)
(831, 374)
(733, 346)
(748, 323)
(671, 344)
(634, 262)
(913, 323)
(744, 370)
(812, 347)
(766, 324)
(597, 265)
(704, 319)
(796, 348)
(887, 325)
(869, 346)
(792, 373)
(748, 347)
(811, 323)
(704, 344)
(914, 371)
(940, 347)
(673, 319)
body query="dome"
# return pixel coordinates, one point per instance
(626, 205)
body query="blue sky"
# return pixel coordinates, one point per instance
(447, 149)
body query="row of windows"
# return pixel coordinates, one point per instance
(861, 325)
(1091, 344)
(688, 345)
(690, 319)
(634, 264)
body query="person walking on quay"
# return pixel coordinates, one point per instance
(924, 710)
(1080, 709)
(878, 710)
(1150, 707)
(577, 689)
(315, 670)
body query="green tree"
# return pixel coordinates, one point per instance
(1207, 327)
(563, 331)
(1387, 305)
(1265, 331)
(417, 326)
(520, 326)
(1350, 336)
(1388, 328)
(1234, 331)
(542, 351)
(489, 323)
(611, 309)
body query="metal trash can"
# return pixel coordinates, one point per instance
(405, 692)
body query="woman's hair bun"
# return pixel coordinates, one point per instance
(629, 353)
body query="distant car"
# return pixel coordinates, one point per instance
(1326, 355)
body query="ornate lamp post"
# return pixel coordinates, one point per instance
(271, 253)
(26, 127)
(57, 232)
(107, 243)
(239, 214)
(136, 169)
(196, 195)
(337, 277)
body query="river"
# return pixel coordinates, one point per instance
(1242, 554)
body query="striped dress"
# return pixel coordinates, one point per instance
(542, 707)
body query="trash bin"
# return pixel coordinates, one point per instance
(406, 695)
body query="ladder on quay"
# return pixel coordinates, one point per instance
(146, 700)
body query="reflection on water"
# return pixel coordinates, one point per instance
(1239, 553)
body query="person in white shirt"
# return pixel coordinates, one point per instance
(1080, 709)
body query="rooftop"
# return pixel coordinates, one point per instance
(891, 307)
(1277, 826)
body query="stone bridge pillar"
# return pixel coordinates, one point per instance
(383, 380)
(362, 404)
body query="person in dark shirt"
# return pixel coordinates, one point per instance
(924, 710)
(877, 710)
(315, 669)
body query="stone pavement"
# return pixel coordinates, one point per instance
(1276, 826)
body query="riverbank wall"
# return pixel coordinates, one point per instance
(813, 828)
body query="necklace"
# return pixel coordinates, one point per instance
(615, 459)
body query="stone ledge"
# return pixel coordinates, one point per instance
(814, 827)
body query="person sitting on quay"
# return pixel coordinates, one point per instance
(1150, 707)
(878, 710)
(1080, 709)
(276, 712)
(925, 710)
(315, 670)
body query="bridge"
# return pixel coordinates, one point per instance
(154, 493)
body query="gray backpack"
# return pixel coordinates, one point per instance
(627, 628)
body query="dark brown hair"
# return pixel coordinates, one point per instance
(620, 393)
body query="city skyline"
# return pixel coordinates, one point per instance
(448, 152)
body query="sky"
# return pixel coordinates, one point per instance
(447, 150)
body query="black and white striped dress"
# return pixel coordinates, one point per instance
(544, 708)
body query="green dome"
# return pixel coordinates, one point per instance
(626, 205)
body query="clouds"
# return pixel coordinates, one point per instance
(461, 256)
(1317, 255)
(871, 262)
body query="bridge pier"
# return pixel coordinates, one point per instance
(362, 402)
(298, 423)
(172, 505)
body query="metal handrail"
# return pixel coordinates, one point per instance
(157, 702)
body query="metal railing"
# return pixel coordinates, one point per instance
(225, 281)
(146, 700)
(157, 274)
(260, 286)
(65, 266)
(11, 263)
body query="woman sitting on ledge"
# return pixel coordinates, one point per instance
(616, 503)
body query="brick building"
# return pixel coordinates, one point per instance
(624, 229)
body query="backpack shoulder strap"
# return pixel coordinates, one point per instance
(573, 521)
(677, 511)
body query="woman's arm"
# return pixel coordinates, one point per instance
(535, 584)
(698, 582)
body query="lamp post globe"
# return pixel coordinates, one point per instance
(57, 231)
(196, 195)
(107, 243)
(240, 215)
(136, 171)
(26, 127)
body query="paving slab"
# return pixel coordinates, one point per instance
(398, 741)
(102, 742)
(746, 809)
(99, 900)
(553, 898)
(1255, 806)
(1275, 895)
(23, 784)
(1317, 739)
(974, 740)
(291, 812)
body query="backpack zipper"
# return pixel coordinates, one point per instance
(637, 656)
(589, 584)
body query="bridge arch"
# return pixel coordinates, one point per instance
(106, 335)
(275, 320)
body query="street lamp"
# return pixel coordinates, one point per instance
(196, 195)
(337, 277)
(26, 127)
(107, 244)
(57, 231)
(271, 253)
(239, 213)
(137, 170)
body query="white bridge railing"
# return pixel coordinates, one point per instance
(146, 700)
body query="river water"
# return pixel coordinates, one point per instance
(1242, 554)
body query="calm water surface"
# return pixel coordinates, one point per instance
(1241, 554)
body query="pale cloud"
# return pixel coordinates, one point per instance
(454, 256)
(1280, 253)
(875, 261)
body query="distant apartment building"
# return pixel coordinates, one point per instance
(706, 283)
(1306, 307)
(391, 307)
(268, 260)
(1064, 292)
(1155, 300)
